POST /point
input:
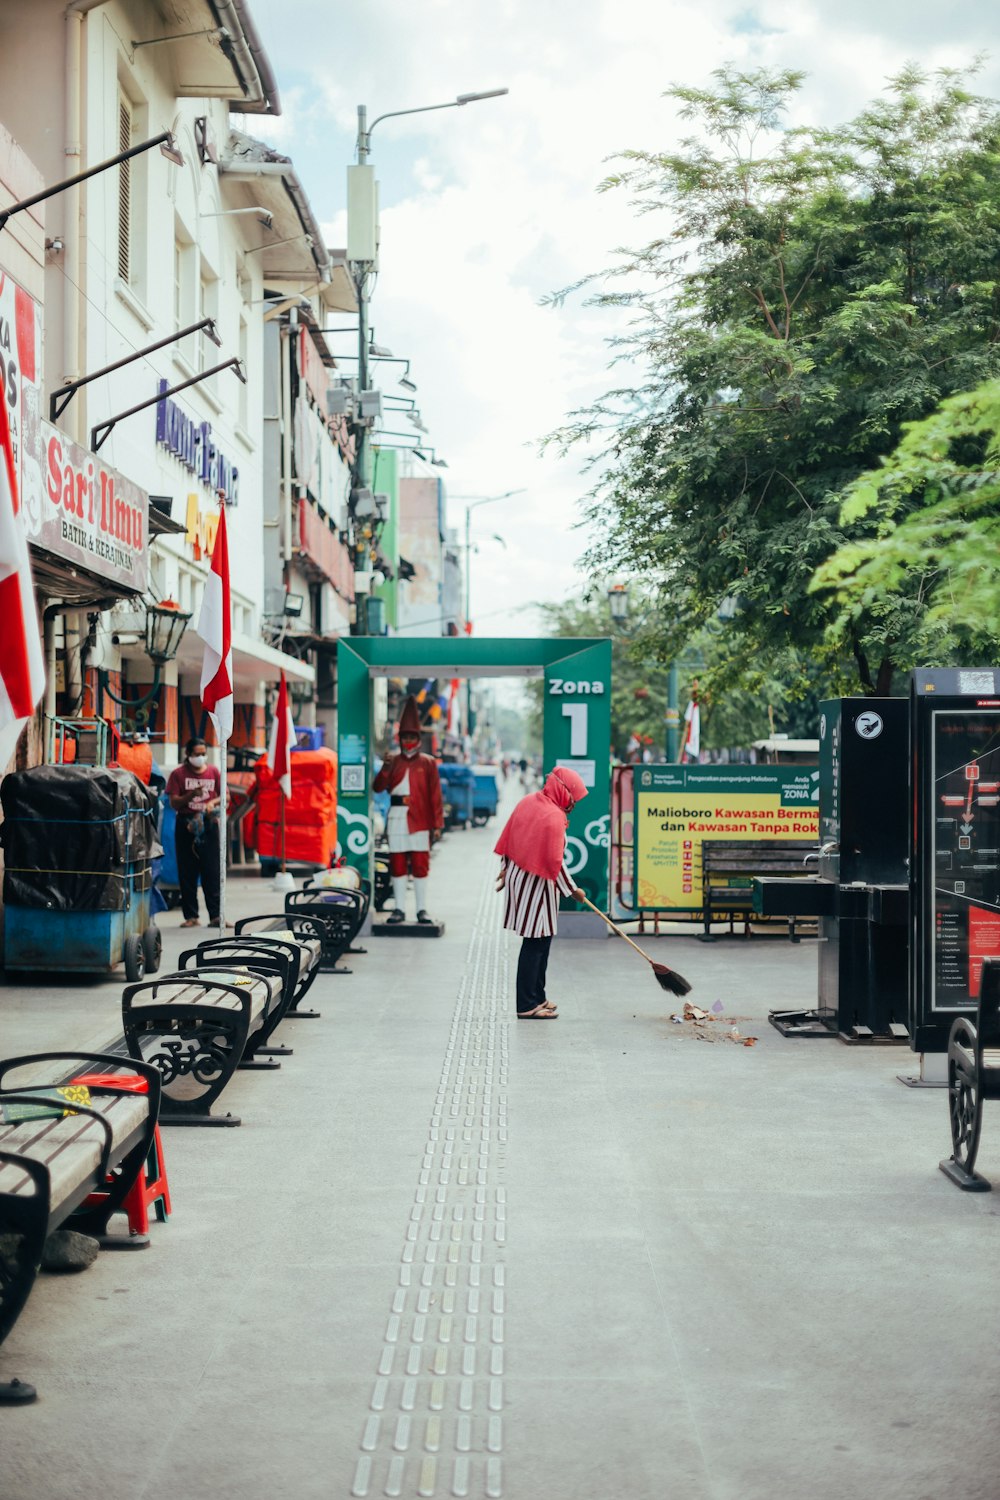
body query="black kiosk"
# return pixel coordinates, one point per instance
(859, 893)
(955, 856)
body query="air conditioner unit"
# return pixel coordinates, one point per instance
(362, 504)
(340, 399)
(369, 406)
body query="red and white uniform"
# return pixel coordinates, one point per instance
(397, 828)
(411, 821)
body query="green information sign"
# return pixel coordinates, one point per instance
(678, 808)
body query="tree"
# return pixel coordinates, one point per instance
(809, 293)
(730, 717)
(934, 505)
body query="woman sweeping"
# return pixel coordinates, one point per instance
(533, 876)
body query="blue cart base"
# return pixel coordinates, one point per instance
(71, 942)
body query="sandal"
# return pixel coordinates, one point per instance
(191, 922)
(540, 1013)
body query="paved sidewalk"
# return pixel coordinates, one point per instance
(450, 1254)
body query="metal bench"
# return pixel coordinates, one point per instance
(49, 1167)
(341, 913)
(193, 1028)
(727, 870)
(300, 938)
(255, 956)
(973, 1077)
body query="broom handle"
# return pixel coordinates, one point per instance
(615, 928)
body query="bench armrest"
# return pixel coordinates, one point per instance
(109, 1060)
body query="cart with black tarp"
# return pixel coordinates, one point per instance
(77, 844)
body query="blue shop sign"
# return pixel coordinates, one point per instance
(191, 444)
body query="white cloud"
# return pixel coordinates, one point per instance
(486, 208)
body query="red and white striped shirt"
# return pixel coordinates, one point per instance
(531, 905)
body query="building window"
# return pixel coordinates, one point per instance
(124, 190)
(185, 284)
(208, 307)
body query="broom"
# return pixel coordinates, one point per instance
(667, 979)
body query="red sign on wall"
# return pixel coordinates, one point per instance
(325, 550)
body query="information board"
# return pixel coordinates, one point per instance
(678, 808)
(965, 852)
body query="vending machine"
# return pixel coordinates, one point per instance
(954, 846)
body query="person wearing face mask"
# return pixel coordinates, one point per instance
(533, 875)
(195, 792)
(416, 814)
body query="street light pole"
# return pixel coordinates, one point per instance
(476, 500)
(362, 268)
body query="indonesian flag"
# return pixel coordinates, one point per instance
(692, 733)
(22, 668)
(279, 751)
(215, 626)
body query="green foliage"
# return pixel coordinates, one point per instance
(933, 512)
(808, 292)
(781, 696)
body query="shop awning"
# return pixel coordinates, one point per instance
(253, 662)
(58, 579)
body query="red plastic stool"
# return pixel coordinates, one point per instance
(150, 1186)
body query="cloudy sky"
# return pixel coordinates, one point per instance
(488, 208)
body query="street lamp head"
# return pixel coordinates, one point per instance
(618, 602)
(170, 149)
(486, 94)
(407, 383)
(165, 624)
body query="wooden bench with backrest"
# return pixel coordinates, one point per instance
(729, 865)
(254, 956)
(341, 913)
(78, 1160)
(193, 1027)
(300, 938)
(973, 1077)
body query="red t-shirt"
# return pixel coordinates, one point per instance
(208, 782)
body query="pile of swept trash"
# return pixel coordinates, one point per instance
(713, 1025)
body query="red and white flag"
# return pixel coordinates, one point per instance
(692, 732)
(215, 626)
(279, 751)
(22, 667)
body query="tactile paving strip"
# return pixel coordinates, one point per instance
(435, 1426)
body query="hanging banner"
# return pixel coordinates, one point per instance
(20, 384)
(678, 808)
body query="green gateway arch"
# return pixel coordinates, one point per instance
(577, 726)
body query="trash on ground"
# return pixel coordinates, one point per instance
(718, 1007)
(694, 1012)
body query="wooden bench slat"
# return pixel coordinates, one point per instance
(68, 1146)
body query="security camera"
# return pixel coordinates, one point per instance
(125, 638)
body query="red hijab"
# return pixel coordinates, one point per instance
(534, 836)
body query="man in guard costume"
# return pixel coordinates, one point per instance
(416, 814)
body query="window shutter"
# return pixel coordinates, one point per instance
(124, 188)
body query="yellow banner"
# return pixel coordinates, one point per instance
(672, 825)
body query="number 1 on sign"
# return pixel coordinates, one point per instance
(577, 715)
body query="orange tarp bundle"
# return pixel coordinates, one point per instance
(136, 758)
(310, 812)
